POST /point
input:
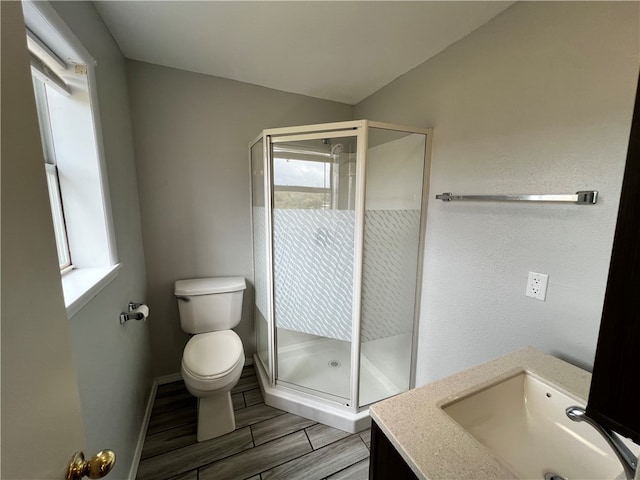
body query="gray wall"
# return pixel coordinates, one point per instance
(539, 100)
(192, 134)
(113, 361)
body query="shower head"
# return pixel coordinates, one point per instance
(336, 149)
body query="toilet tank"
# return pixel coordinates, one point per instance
(209, 304)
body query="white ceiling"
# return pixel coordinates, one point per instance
(337, 50)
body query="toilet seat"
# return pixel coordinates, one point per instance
(212, 361)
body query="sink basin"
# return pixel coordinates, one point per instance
(522, 422)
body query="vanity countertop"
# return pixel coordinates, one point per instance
(433, 445)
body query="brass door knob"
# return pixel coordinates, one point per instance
(96, 467)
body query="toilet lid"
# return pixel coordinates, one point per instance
(212, 354)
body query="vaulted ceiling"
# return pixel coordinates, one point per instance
(337, 50)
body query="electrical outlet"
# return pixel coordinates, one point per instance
(537, 286)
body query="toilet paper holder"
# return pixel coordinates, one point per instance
(132, 315)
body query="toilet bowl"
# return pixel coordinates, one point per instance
(213, 358)
(211, 366)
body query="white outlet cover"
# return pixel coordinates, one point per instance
(537, 286)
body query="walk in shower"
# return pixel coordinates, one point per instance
(338, 227)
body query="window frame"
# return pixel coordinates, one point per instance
(59, 224)
(53, 180)
(95, 264)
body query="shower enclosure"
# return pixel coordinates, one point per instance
(338, 216)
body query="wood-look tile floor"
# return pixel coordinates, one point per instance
(267, 443)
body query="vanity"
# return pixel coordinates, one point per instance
(502, 419)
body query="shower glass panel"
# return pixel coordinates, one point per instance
(260, 253)
(392, 214)
(313, 249)
(338, 234)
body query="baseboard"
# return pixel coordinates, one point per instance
(248, 361)
(135, 462)
(172, 377)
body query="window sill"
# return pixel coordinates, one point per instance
(82, 284)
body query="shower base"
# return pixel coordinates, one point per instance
(323, 366)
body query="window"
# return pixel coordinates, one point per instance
(53, 182)
(67, 107)
(301, 183)
(314, 173)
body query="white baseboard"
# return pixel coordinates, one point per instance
(135, 462)
(172, 377)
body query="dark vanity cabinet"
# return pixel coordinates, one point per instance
(385, 462)
(614, 398)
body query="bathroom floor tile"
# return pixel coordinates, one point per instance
(238, 400)
(172, 403)
(183, 413)
(366, 437)
(193, 456)
(321, 435)
(321, 463)
(168, 440)
(258, 459)
(170, 389)
(359, 471)
(254, 414)
(171, 398)
(267, 443)
(192, 475)
(279, 426)
(170, 392)
(248, 382)
(253, 397)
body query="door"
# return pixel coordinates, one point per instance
(314, 231)
(41, 415)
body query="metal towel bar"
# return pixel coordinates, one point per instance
(583, 197)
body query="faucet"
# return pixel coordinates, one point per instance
(627, 458)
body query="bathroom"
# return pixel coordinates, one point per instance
(539, 99)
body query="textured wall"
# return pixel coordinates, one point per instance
(113, 361)
(192, 134)
(539, 100)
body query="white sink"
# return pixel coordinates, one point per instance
(522, 422)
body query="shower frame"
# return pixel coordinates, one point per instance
(298, 400)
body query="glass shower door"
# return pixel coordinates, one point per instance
(391, 261)
(313, 248)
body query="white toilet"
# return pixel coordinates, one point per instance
(213, 358)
